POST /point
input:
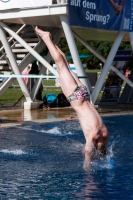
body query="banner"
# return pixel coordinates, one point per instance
(12, 4)
(104, 14)
(113, 82)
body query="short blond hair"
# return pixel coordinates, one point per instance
(101, 148)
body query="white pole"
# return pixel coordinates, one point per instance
(103, 59)
(26, 46)
(29, 58)
(14, 64)
(107, 66)
(48, 58)
(18, 31)
(74, 52)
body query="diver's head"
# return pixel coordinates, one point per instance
(101, 148)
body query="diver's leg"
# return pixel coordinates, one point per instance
(67, 81)
(72, 73)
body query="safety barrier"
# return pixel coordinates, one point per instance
(48, 83)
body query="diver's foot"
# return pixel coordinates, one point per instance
(44, 35)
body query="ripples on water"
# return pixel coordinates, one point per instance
(45, 161)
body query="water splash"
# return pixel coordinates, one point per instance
(54, 131)
(106, 162)
(74, 146)
(14, 152)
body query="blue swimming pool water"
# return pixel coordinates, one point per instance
(45, 162)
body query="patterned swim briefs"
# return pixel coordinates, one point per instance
(80, 93)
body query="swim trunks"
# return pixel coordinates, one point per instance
(80, 93)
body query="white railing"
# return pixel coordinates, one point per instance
(46, 83)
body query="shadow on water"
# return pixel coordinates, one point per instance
(45, 161)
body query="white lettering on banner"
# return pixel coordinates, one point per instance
(75, 3)
(126, 23)
(85, 4)
(89, 5)
(104, 19)
(98, 18)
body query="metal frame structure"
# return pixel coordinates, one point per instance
(54, 17)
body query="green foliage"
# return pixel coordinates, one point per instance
(64, 46)
(103, 48)
(125, 45)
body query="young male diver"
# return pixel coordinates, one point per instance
(95, 131)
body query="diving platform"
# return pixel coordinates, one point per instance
(49, 16)
(54, 16)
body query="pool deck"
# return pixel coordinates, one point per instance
(16, 116)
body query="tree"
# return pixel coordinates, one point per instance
(103, 48)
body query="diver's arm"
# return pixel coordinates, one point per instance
(87, 154)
